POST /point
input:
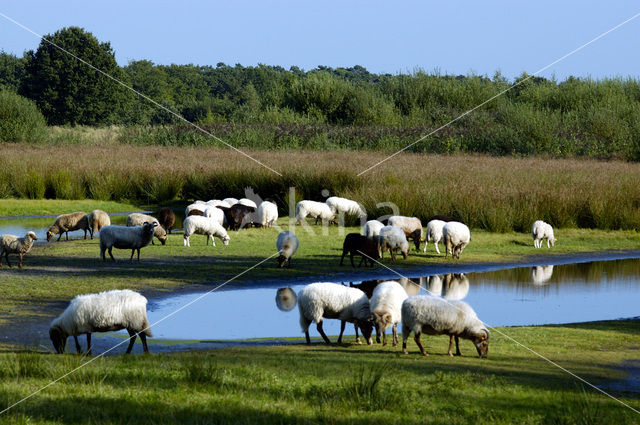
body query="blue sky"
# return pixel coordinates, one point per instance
(454, 37)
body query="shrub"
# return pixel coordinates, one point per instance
(20, 119)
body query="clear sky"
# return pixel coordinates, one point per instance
(454, 37)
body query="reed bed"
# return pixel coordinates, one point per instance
(493, 193)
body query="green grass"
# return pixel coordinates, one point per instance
(337, 384)
(18, 207)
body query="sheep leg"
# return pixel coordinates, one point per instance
(213, 241)
(342, 325)
(143, 338)
(78, 348)
(395, 334)
(89, 343)
(384, 337)
(419, 344)
(138, 255)
(306, 335)
(111, 254)
(342, 258)
(6, 255)
(85, 234)
(133, 251)
(132, 339)
(351, 258)
(437, 249)
(375, 324)
(67, 235)
(20, 261)
(450, 345)
(357, 336)
(457, 346)
(321, 332)
(59, 236)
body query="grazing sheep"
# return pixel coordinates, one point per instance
(215, 213)
(66, 223)
(356, 244)
(456, 237)
(411, 226)
(166, 218)
(392, 238)
(333, 301)
(435, 316)
(313, 209)
(97, 219)
(455, 286)
(230, 201)
(218, 203)
(386, 305)
(103, 312)
(540, 231)
(434, 232)
(137, 219)
(195, 206)
(267, 214)
(238, 216)
(345, 206)
(204, 226)
(10, 244)
(540, 275)
(287, 245)
(372, 229)
(248, 202)
(123, 237)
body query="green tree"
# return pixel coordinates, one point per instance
(20, 120)
(11, 71)
(68, 91)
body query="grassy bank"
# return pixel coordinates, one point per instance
(337, 384)
(19, 207)
(495, 194)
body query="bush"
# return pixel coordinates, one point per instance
(20, 119)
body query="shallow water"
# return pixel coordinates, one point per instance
(517, 296)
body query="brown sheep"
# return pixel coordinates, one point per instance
(97, 220)
(66, 223)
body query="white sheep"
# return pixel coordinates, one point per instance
(313, 209)
(66, 223)
(267, 214)
(287, 245)
(218, 203)
(321, 300)
(204, 226)
(540, 231)
(215, 213)
(434, 233)
(248, 202)
(540, 275)
(411, 226)
(436, 316)
(392, 238)
(103, 312)
(456, 237)
(10, 244)
(372, 229)
(138, 219)
(230, 201)
(345, 206)
(386, 305)
(97, 220)
(195, 206)
(123, 237)
(455, 286)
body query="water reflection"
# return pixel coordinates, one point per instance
(540, 275)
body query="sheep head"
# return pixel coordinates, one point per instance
(366, 326)
(32, 236)
(225, 240)
(49, 235)
(481, 341)
(282, 260)
(58, 338)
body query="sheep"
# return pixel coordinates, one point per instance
(230, 201)
(97, 219)
(456, 237)
(372, 229)
(435, 316)
(356, 244)
(137, 219)
(204, 226)
(195, 211)
(166, 218)
(540, 231)
(102, 312)
(195, 206)
(10, 244)
(287, 245)
(455, 286)
(434, 232)
(248, 202)
(411, 226)
(313, 209)
(218, 203)
(345, 206)
(540, 275)
(123, 237)
(333, 301)
(66, 223)
(444, 218)
(386, 305)
(267, 214)
(392, 238)
(238, 216)
(215, 213)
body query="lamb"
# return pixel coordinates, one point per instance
(386, 305)
(372, 229)
(411, 226)
(313, 209)
(356, 244)
(248, 202)
(137, 219)
(123, 237)
(287, 245)
(456, 237)
(392, 238)
(218, 203)
(66, 223)
(540, 231)
(204, 226)
(102, 312)
(215, 213)
(10, 244)
(333, 301)
(267, 214)
(230, 201)
(434, 232)
(97, 219)
(345, 206)
(435, 316)
(166, 218)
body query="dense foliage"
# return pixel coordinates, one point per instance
(20, 119)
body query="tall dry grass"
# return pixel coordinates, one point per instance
(497, 194)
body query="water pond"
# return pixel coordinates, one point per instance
(537, 295)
